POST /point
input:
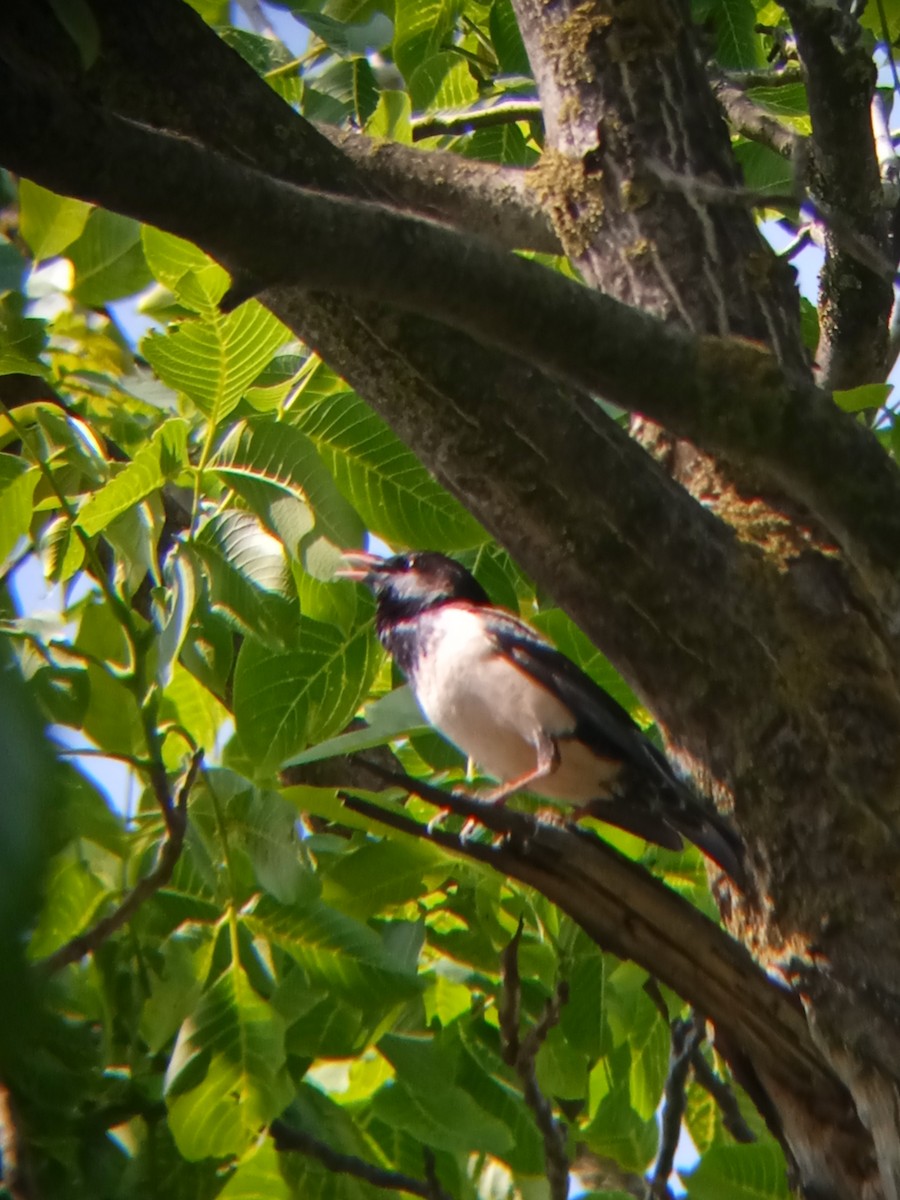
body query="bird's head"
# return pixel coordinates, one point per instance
(407, 584)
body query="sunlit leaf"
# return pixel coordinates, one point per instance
(108, 259)
(49, 223)
(285, 700)
(384, 481)
(213, 360)
(244, 1086)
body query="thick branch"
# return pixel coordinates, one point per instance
(728, 397)
(475, 197)
(855, 300)
(629, 913)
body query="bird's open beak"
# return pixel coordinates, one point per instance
(358, 565)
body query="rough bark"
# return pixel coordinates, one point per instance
(855, 296)
(625, 97)
(773, 667)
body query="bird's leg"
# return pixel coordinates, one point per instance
(547, 762)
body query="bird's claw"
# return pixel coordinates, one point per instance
(437, 820)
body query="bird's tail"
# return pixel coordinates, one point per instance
(714, 836)
(673, 814)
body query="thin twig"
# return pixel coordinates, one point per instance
(717, 193)
(686, 1037)
(175, 813)
(507, 112)
(779, 77)
(288, 1138)
(521, 1053)
(724, 1096)
(750, 119)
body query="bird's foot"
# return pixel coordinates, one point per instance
(555, 816)
(490, 795)
(437, 820)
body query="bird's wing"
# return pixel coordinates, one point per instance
(601, 723)
(660, 812)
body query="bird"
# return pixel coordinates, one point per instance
(524, 712)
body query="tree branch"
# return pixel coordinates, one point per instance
(495, 202)
(727, 396)
(723, 1095)
(855, 302)
(686, 1038)
(750, 119)
(175, 813)
(630, 913)
(483, 116)
(626, 911)
(289, 1138)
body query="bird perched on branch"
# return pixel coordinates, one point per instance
(523, 711)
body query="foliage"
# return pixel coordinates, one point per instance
(189, 497)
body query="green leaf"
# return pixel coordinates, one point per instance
(108, 259)
(261, 825)
(180, 266)
(392, 118)
(285, 700)
(346, 37)
(365, 91)
(244, 1086)
(420, 28)
(71, 897)
(442, 81)
(385, 482)
(28, 788)
(391, 716)
(425, 1102)
(868, 395)
(79, 22)
(60, 550)
(340, 958)
(148, 470)
(260, 1176)
(17, 484)
(49, 223)
(22, 339)
(12, 267)
(648, 1037)
(739, 1172)
(617, 1132)
(180, 598)
(737, 43)
(187, 703)
(764, 170)
(507, 40)
(278, 472)
(175, 984)
(214, 360)
(379, 876)
(501, 144)
(249, 578)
